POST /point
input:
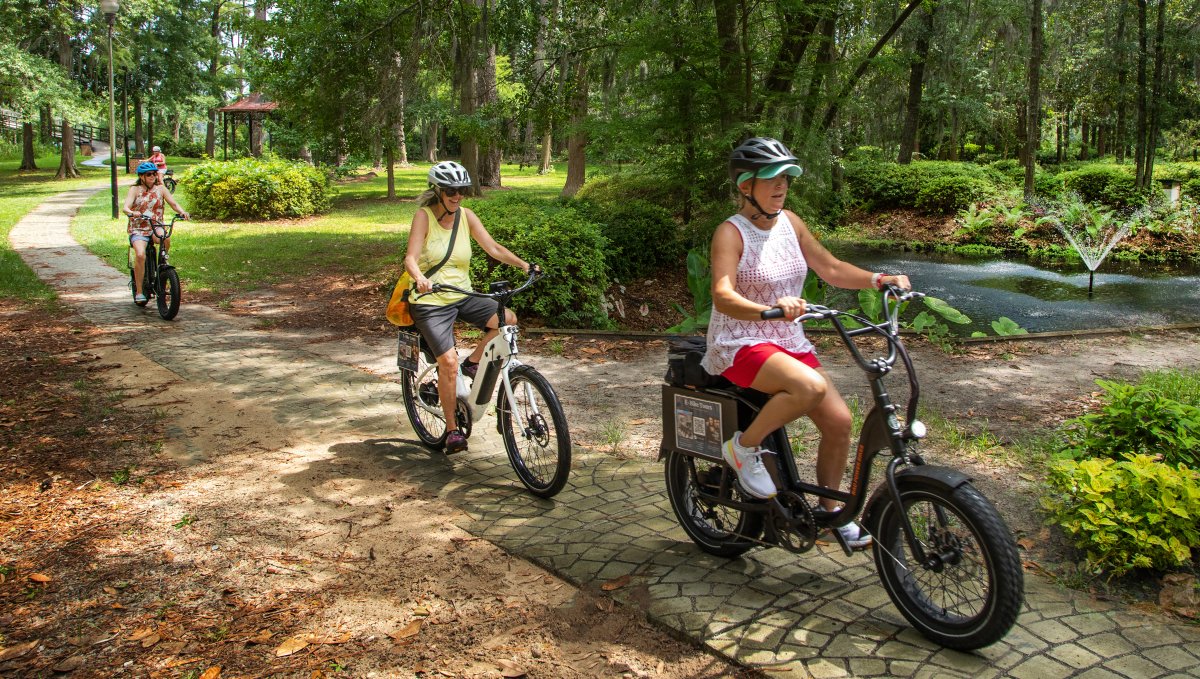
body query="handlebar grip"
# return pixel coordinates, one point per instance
(770, 314)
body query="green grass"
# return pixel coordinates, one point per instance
(20, 192)
(361, 235)
(1175, 384)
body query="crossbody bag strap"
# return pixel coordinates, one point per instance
(450, 248)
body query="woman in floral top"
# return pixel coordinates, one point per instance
(144, 203)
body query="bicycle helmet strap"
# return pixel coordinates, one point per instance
(761, 212)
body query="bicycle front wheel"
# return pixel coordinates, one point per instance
(969, 592)
(422, 403)
(168, 294)
(169, 183)
(535, 432)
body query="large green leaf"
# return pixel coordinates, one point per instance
(1005, 327)
(946, 311)
(871, 303)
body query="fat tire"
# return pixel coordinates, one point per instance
(431, 430)
(168, 293)
(729, 543)
(991, 549)
(170, 184)
(543, 477)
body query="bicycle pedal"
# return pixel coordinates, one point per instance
(841, 540)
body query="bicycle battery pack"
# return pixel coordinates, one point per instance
(697, 423)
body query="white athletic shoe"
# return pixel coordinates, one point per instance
(139, 298)
(854, 537)
(747, 463)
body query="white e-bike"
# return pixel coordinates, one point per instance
(529, 416)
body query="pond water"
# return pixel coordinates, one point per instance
(1046, 297)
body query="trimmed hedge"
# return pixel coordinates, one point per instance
(567, 245)
(878, 186)
(256, 189)
(1108, 184)
(642, 237)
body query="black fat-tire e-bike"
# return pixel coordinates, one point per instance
(160, 280)
(943, 553)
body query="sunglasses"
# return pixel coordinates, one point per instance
(452, 191)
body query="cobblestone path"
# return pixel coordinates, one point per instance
(821, 615)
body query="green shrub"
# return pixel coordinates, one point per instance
(569, 247)
(253, 188)
(642, 237)
(1099, 183)
(951, 193)
(617, 188)
(1138, 419)
(1127, 514)
(183, 149)
(879, 186)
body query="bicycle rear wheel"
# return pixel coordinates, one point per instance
(717, 529)
(168, 293)
(422, 403)
(535, 432)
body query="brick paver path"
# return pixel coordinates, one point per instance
(819, 615)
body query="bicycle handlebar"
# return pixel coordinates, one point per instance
(155, 225)
(535, 273)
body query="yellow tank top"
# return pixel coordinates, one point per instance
(457, 270)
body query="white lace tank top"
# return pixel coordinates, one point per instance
(772, 266)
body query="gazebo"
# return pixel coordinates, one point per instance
(254, 108)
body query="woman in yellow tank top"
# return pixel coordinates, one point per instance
(434, 315)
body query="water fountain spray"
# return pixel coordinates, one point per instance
(1092, 230)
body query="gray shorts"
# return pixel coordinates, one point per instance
(436, 323)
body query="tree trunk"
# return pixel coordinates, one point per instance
(1156, 95)
(214, 63)
(821, 66)
(1058, 139)
(391, 172)
(1139, 152)
(45, 125)
(66, 163)
(149, 125)
(916, 84)
(431, 142)
(256, 135)
(139, 143)
(1121, 135)
(1085, 131)
(28, 155)
(400, 135)
(799, 23)
(486, 95)
(176, 120)
(306, 154)
(577, 142)
(1033, 136)
(1101, 140)
(728, 61)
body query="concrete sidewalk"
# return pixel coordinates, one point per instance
(820, 615)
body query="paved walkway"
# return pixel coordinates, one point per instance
(819, 615)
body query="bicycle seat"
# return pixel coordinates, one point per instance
(684, 355)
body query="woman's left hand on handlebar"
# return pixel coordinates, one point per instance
(793, 307)
(898, 280)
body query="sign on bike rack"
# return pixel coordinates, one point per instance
(408, 350)
(700, 423)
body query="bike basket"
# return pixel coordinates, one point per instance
(408, 350)
(683, 364)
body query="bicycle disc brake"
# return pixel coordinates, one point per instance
(795, 532)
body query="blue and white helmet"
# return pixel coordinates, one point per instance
(447, 174)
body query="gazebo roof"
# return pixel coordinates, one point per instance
(251, 103)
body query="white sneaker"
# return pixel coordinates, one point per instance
(747, 463)
(854, 537)
(139, 298)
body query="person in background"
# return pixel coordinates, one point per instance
(760, 258)
(145, 202)
(159, 160)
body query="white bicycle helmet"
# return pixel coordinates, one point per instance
(447, 174)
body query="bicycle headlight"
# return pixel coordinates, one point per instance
(917, 429)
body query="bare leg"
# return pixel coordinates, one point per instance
(447, 385)
(833, 419)
(492, 326)
(139, 265)
(797, 390)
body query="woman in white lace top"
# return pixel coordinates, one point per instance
(760, 257)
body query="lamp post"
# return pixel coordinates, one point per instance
(110, 7)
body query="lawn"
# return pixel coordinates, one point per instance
(20, 192)
(361, 235)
